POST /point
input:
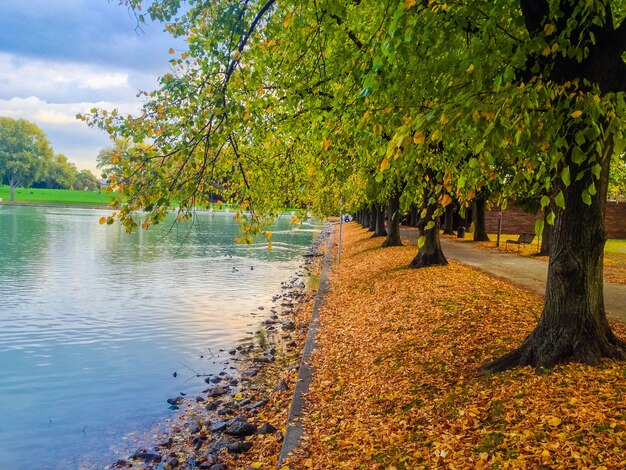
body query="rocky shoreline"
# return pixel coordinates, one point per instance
(239, 420)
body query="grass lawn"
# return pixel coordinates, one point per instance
(614, 253)
(56, 196)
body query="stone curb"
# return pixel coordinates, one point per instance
(294, 431)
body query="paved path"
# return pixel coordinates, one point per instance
(521, 270)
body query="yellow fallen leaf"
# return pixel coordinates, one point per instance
(554, 421)
(576, 114)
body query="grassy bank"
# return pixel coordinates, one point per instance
(397, 381)
(56, 196)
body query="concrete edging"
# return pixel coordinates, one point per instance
(294, 430)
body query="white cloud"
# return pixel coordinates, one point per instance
(67, 134)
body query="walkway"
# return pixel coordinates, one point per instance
(527, 272)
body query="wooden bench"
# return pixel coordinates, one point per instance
(525, 238)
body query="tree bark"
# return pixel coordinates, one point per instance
(448, 220)
(573, 325)
(480, 227)
(372, 219)
(393, 234)
(430, 254)
(380, 222)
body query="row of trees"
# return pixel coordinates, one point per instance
(398, 103)
(27, 160)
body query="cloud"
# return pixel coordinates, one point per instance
(86, 31)
(66, 134)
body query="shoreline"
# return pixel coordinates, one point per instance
(242, 414)
(63, 206)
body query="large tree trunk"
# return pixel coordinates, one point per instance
(379, 231)
(430, 254)
(480, 227)
(573, 325)
(448, 220)
(393, 235)
(366, 219)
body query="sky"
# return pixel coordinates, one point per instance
(62, 57)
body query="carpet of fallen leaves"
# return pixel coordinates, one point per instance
(397, 382)
(614, 263)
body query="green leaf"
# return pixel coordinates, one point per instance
(565, 176)
(560, 200)
(551, 217)
(586, 197)
(596, 170)
(539, 227)
(545, 200)
(620, 144)
(420, 241)
(430, 225)
(592, 189)
(578, 156)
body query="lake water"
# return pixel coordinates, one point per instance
(94, 322)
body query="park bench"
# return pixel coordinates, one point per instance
(525, 238)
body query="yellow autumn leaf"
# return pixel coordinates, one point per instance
(384, 164)
(445, 200)
(327, 143)
(287, 20)
(419, 138)
(269, 245)
(103, 220)
(268, 234)
(549, 29)
(576, 114)
(545, 453)
(171, 51)
(436, 135)
(410, 4)
(554, 421)
(256, 465)
(238, 396)
(470, 69)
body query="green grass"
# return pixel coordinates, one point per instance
(56, 196)
(615, 245)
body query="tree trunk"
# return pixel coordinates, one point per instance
(448, 220)
(393, 235)
(430, 254)
(380, 222)
(372, 219)
(13, 183)
(366, 218)
(573, 325)
(480, 227)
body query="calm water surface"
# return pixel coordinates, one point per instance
(94, 322)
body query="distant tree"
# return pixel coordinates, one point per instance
(24, 149)
(617, 179)
(86, 180)
(110, 159)
(60, 173)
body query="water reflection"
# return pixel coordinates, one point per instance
(93, 323)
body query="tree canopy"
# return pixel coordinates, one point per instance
(306, 102)
(24, 152)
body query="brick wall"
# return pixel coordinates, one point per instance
(515, 220)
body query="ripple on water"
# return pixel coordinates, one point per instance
(93, 322)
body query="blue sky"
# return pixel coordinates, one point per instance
(62, 57)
